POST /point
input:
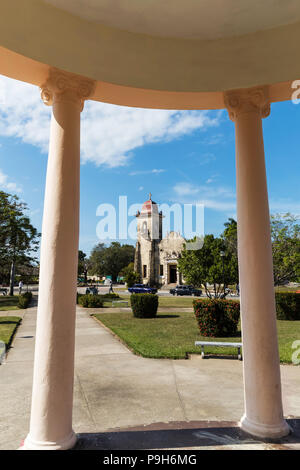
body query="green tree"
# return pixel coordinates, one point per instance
(83, 265)
(285, 232)
(229, 236)
(110, 260)
(131, 277)
(208, 267)
(96, 260)
(19, 240)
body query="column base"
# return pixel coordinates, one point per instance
(265, 430)
(32, 444)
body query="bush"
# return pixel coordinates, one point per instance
(90, 300)
(111, 295)
(24, 300)
(100, 298)
(287, 305)
(216, 317)
(144, 305)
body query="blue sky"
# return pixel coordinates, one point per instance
(181, 157)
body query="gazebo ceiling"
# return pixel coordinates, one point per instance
(154, 53)
(189, 19)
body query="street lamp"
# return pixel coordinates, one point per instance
(222, 254)
(85, 267)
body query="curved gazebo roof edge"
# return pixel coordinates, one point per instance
(240, 48)
(19, 67)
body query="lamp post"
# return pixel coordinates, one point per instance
(222, 254)
(85, 272)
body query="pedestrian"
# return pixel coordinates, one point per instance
(111, 287)
(20, 287)
(237, 289)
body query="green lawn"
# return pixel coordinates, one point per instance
(8, 326)
(286, 289)
(176, 301)
(172, 335)
(173, 302)
(9, 303)
(169, 302)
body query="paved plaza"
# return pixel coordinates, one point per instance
(125, 401)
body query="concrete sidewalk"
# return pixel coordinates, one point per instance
(118, 391)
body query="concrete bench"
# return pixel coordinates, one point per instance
(221, 344)
(2, 351)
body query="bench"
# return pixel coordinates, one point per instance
(221, 344)
(2, 351)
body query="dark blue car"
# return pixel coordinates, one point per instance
(142, 289)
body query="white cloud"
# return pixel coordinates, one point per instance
(109, 133)
(223, 199)
(283, 206)
(215, 139)
(7, 185)
(212, 178)
(218, 205)
(185, 189)
(218, 198)
(155, 171)
(203, 158)
(22, 113)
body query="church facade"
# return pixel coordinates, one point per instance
(156, 258)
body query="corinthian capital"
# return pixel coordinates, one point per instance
(64, 86)
(246, 101)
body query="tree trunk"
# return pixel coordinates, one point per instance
(12, 278)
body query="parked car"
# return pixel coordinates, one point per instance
(91, 290)
(186, 290)
(196, 292)
(142, 289)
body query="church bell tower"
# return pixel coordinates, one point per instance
(149, 235)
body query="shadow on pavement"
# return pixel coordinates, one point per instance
(182, 435)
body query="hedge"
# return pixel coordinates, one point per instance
(99, 299)
(217, 318)
(24, 300)
(287, 305)
(111, 295)
(144, 305)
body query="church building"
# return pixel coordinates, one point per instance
(156, 257)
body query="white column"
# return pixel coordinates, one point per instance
(262, 385)
(52, 396)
